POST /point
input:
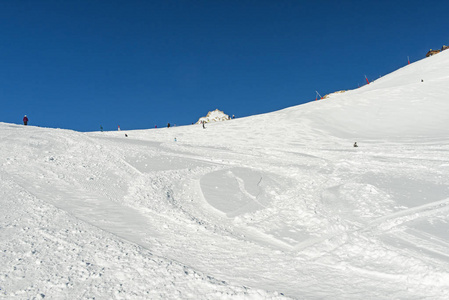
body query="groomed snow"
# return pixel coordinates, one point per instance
(272, 206)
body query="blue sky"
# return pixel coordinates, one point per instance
(81, 64)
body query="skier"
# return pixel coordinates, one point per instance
(204, 127)
(355, 144)
(25, 120)
(168, 125)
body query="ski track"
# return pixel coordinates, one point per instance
(180, 225)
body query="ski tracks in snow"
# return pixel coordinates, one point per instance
(293, 216)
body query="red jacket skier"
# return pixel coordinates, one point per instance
(25, 120)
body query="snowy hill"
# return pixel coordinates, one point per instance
(272, 206)
(214, 116)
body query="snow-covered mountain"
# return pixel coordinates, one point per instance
(214, 116)
(273, 206)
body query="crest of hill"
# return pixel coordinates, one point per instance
(214, 116)
(410, 102)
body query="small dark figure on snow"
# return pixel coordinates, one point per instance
(126, 135)
(25, 120)
(204, 127)
(355, 144)
(168, 125)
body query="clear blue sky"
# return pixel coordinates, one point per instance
(85, 63)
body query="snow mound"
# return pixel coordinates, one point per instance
(214, 116)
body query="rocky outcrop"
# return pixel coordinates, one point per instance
(214, 116)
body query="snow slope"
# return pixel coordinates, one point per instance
(271, 206)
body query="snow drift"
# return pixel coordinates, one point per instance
(271, 206)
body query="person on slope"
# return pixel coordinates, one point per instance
(25, 120)
(204, 127)
(355, 144)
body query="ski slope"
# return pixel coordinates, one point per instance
(273, 206)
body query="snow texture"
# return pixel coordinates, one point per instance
(273, 206)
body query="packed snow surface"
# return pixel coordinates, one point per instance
(273, 206)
